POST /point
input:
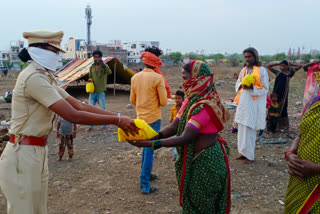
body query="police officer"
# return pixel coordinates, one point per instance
(35, 102)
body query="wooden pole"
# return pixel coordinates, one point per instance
(114, 76)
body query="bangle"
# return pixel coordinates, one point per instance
(290, 151)
(156, 144)
(119, 118)
(160, 135)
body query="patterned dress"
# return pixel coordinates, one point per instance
(203, 177)
(309, 149)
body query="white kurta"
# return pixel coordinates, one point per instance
(250, 112)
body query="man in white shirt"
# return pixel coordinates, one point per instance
(251, 109)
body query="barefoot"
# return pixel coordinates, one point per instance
(247, 161)
(70, 159)
(59, 159)
(241, 157)
(174, 159)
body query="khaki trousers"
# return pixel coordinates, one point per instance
(24, 178)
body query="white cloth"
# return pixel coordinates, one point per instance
(246, 141)
(45, 58)
(250, 112)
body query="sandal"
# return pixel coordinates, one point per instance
(152, 190)
(153, 177)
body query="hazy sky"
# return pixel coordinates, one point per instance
(271, 26)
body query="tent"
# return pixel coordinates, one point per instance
(78, 69)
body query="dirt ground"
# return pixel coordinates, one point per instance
(104, 175)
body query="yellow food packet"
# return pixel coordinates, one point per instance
(145, 132)
(249, 80)
(90, 87)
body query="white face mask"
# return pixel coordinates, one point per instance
(45, 58)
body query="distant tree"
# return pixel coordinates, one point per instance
(201, 57)
(317, 56)
(278, 57)
(176, 56)
(216, 57)
(191, 55)
(234, 60)
(306, 58)
(265, 59)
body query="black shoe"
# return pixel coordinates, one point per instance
(153, 177)
(152, 190)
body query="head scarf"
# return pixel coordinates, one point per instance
(154, 61)
(202, 93)
(285, 62)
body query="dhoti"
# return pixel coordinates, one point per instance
(246, 141)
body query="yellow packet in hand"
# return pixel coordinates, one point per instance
(90, 87)
(249, 80)
(145, 132)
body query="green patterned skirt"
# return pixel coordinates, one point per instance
(206, 186)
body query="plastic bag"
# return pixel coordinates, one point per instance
(90, 87)
(249, 80)
(145, 132)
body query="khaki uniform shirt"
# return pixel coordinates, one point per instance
(35, 90)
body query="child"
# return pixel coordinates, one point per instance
(66, 136)
(269, 102)
(179, 98)
(273, 113)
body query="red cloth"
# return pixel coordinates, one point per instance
(310, 91)
(269, 101)
(198, 85)
(154, 61)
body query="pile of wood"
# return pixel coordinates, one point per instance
(4, 137)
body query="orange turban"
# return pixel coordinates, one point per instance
(154, 61)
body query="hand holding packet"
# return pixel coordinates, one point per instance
(145, 132)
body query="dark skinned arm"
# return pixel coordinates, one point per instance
(247, 87)
(270, 67)
(297, 67)
(268, 115)
(89, 115)
(189, 134)
(298, 167)
(306, 66)
(169, 131)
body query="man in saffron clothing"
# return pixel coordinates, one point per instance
(251, 101)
